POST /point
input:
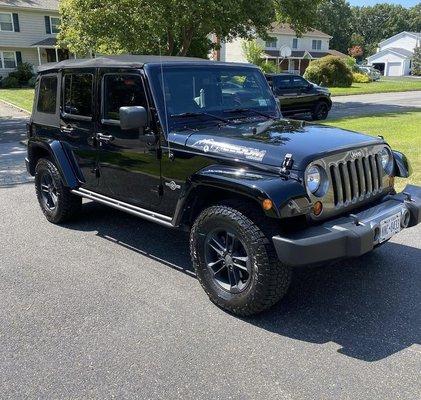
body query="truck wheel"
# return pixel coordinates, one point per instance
(56, 201)
(320, 111)
(235, 262)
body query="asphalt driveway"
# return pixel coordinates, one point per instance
(109, 307)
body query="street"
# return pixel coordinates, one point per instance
(372, 104)
(108, 306)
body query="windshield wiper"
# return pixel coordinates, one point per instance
(198, 114)
(245, 110)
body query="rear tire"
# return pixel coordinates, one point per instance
(248, 278)
(56, 201)
(320, 111)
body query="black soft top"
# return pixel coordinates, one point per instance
(126, 61)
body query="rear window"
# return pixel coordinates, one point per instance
(78, 94)
(47, 97)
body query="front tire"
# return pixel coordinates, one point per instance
(236, 262)
(56, 201)
(320, 111)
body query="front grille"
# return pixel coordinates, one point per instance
(357, 179)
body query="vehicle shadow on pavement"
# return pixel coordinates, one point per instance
(370, 307)
(12, 129)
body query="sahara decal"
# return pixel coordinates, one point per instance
(210, 145)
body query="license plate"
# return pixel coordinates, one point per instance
(389, 227)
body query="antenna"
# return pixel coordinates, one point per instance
(165, 98)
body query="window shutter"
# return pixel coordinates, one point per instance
(47, 24)
(19, 57)
(16, 22)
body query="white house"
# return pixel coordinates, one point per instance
(394, 55)
(285, 48)
(28, 30)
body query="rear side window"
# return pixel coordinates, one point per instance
(122, 91)
(282, 82)
(78, 94)
(47, 97)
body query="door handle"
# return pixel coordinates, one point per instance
(67, 129)
(104, 138)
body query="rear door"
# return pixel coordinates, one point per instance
(77, 121)
(129, 164)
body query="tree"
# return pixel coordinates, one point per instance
(356, 52)
(334, 17)
(171, 26)
(416, 61)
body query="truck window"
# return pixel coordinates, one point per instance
(122, 91)
(78, 94)
(47, 94)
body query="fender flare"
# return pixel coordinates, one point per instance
(63, 158)
(255, 185)
(402, 166)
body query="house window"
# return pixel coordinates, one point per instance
(55, 24)
(8, 59)
(316, 45)
(295, 43)
(6, 22)
(47, 97)
(271, 43)
(78, 94)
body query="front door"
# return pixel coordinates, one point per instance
(129, 167)
(306, 97)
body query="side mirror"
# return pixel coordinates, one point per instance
(135, 117)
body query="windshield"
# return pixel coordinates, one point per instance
(210, 94)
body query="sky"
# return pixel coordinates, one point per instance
(405, 3)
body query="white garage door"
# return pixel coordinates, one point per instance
(394, 69)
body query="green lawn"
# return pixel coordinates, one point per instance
(401, 131)
(22, 98)
(384, 85)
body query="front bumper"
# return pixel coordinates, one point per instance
(349, 236)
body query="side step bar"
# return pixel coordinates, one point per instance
(128, 208)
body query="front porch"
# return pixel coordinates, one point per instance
(48, 51)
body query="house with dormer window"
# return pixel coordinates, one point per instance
(28, 30)
(284, 47)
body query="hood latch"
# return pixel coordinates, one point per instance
(287, 164)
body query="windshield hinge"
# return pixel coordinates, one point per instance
(287, 164)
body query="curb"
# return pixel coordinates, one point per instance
(15, 106)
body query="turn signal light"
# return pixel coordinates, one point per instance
(317, 208)
(267, 204)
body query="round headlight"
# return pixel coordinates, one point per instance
(314, 178)
(386, 158)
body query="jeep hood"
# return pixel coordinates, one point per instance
(268, 142)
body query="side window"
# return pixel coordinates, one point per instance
(47, 94)
(78, 94)
(299, 82)
(122, 91)
(282, 82)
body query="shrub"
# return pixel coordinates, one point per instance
(361, 78)
(416, 61)
(269, 67)
(31, 82)
(23, 73)
(329, 71)
(10, 82)
(351, 63)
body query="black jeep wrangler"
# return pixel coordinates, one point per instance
(201, 145)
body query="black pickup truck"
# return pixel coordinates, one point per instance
(202, 146)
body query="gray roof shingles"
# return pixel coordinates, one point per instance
(35, 4)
